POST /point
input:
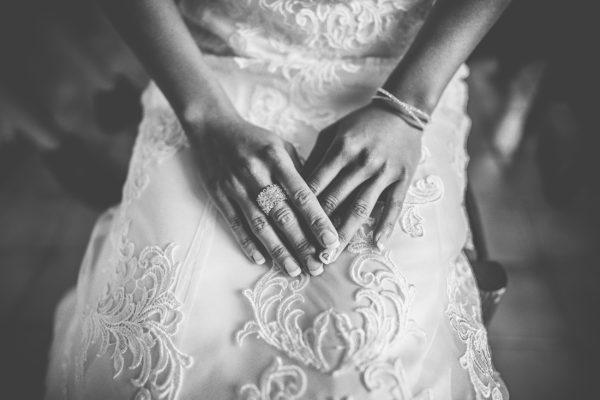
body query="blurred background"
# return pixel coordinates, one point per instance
(69, 109)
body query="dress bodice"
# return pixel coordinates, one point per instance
(315, 29)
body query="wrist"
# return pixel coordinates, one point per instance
(205, 115)
(421, 98)
(411, 115)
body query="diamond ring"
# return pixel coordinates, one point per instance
(269, 197)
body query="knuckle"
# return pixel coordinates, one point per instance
(384, 168)
(283, 216)
(318, 223)
(247, 244)
(278, 251)
(347, 152)
(302, 197)
(273, 152)
(247, 167)
(360, 209)
(370, 161)
(329, 203)
(346, 142)
(258, 224)
(313, 186)
(303, 247)
(235, 222)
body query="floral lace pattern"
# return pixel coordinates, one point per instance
(423, 191)
(310, 81)
(465, 318)
(140, 316)
(321, 29)
(278, 381)
(136, 318)
(384, 298)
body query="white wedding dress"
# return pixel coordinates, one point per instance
(166, 305)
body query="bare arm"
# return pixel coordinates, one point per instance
(236, 159)
(155, 30)
(448, 36)
(372, 153)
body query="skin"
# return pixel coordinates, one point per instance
(372, 153)
(366, 154)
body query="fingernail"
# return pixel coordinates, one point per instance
(326, 256)
(258, 258)
(314, 267)
(292, 269)
(317, 272)
(336, 254)
(330, 239)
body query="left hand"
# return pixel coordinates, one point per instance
(354, 161)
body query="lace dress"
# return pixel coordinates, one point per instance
(166, 305)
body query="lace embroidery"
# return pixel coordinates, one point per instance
(310, 81)
(160, 137)
(391, 375)
(277, 382)
(332, 342)
(138, 312)
(423, 191)
(465, 318)
(340, 25)
(140, 315)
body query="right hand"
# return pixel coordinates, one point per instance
(236, 161)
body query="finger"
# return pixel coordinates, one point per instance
(235, 222)
(319, 150)
(265, 232)
(326, 170)
(347, 181)
(288, 224)
(307, 205)
(391, 212)
(296, 159)
(359, 210)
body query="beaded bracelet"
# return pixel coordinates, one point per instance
(411, 114)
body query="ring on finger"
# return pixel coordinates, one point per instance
(269, 197)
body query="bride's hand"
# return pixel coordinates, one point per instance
(354, 161)
(236, 161)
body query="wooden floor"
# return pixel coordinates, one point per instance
(545, 336)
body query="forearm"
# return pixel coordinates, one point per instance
(158, 36)
(448, 36)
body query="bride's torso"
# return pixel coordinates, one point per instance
(314, 29)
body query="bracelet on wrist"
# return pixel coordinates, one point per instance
(410, 114)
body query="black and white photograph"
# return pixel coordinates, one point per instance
(299, 200)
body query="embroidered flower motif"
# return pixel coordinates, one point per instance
(333, 342)
(160, 137)
(465, 318)
(339, 25)
(391, 375)
(277, 382)
(139, 315)
(310, 82)
(423, 191)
